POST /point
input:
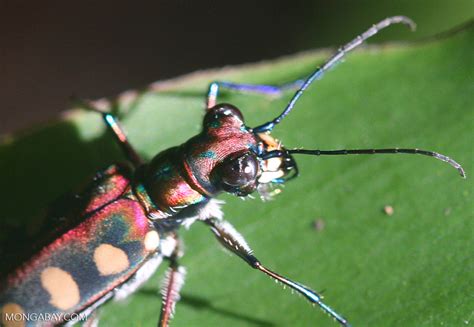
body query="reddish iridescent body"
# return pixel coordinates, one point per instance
(107, 238)
(125, 223)
(96, 250)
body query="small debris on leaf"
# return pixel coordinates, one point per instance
(388, 210)
(447, 211)
(318, 224)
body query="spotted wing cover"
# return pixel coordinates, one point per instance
(77, 268)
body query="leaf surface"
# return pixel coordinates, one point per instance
(413, 268)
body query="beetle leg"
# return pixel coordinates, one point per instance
(92, 320)
(172, 283)
(174, 280)
(215, 87)
(234, 241)
(114, 126)
(139, 278)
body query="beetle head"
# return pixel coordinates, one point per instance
(243, 169)
(247, 159)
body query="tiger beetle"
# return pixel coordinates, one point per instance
(126, 220)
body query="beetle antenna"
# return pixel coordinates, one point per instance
(336, 58)
(439, 156)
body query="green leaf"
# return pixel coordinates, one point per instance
(413, 268)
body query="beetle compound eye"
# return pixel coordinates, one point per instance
(220, 111)
(239, 171)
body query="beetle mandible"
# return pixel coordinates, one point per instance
(125, 222)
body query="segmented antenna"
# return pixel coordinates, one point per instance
(439, 156)
(336, 58)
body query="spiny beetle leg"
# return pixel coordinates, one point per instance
(171, 287)
(231, 239)
(275, 90)
(174, 280)
(114, 126)
(301, 85)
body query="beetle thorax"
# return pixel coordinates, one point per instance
(186, 175)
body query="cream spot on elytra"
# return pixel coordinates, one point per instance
(110, 260)
(152, 240)
(12, 315)
(61, 287)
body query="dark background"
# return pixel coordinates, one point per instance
(53, 49)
